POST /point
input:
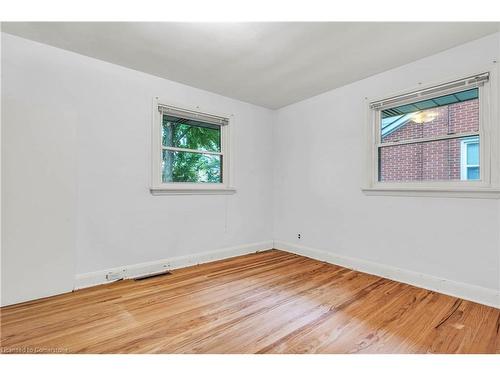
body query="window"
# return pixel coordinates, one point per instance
(420, 141)
(469, 158)
(434, 139)
(190, 151)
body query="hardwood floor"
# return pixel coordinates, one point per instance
(269, 302)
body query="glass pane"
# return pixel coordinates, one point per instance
(473, 173)
(450, 114)
(473, 153)
(180, 166)
(191, 134)
(427, 161)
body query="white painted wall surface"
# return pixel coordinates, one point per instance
(83, 204)
(38, 173)
(318, 173)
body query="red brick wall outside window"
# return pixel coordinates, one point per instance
(436, 160)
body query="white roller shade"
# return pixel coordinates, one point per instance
(448, 88)
(191, 115)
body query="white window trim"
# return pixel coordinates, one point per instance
(489, 184)
(179, 188)
(464, 156)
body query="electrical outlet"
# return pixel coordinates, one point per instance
(299, 236)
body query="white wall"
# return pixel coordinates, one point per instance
(38, 177)
(76, 166)
(319, 160)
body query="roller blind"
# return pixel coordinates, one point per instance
(198, 116)
(459, 85)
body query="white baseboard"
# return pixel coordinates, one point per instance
(86, 280)
(485, 296)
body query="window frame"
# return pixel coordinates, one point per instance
(158, 187)
(487, 187)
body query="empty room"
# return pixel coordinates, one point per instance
(250, 187)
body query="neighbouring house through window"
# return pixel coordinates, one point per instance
(469, 158)
(436, 139)
(422, 141)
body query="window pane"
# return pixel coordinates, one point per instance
(450, 114)
(194, 135)
(191, 167)
(428, 161)
(473, 153)
(473, 173)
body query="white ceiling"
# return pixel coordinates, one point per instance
(269, 64)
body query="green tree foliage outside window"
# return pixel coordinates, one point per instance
(188, 166)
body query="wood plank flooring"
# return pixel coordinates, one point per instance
(269, 302)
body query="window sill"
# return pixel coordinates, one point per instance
(471, 192)
(167, 190)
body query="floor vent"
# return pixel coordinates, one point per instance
(163, 273)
